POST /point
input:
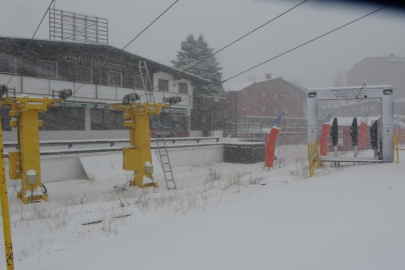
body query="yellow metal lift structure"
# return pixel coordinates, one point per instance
(396, 146)
(25, 163)
(313, 157)
(138, 157)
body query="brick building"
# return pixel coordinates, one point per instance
(255, 105)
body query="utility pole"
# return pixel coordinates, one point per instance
(8, 246)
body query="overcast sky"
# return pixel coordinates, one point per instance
(222, 21)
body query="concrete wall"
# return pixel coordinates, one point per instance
(183, 156)
(56, 168)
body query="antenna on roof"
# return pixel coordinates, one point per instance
(73, 26)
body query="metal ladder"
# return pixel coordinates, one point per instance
(163, 153)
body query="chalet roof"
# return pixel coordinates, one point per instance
(251, 84)
(164, 68)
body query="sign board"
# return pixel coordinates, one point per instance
(348, 93)
(83, 105)
(175, 111)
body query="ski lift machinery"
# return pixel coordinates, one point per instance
(382, 92)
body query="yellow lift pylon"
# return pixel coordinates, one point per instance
(25, 163)
(5, 213)
(138, 157)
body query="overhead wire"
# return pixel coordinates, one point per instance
(150, 24)
(295, 48)
(36, 30)
(235, 41)
(157, 18)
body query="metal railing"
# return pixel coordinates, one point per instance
(313, 157)
(396, 145)
(257, 135)
(112, 142)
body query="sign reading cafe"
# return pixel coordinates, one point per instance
(83, 61)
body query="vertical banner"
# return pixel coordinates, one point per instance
(334, 132)
(374, 136)
(362, 135)
(271, 147)
(324, 139)
(354, 132)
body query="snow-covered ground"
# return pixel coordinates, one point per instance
(224, 216)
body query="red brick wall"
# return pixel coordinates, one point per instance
(253, 102)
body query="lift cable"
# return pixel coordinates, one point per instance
(303, 44)
(233, 42)
(150, 24)
(139, 34)
(36, 30)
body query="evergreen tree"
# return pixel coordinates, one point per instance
(194, 50)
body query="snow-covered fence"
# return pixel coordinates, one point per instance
(60, 165)
(111, 142)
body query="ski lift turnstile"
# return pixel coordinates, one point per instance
(382, 92)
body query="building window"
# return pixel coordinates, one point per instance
(264, 109)
(275, 110)
(183, 88)
(285, 96)
(7, 64)
(83, 74)
(54, 118)
(47, 69)
(114, 78)
(104, 119)
(163, 85)
(138, 82)
(264, 95)
(275, 96)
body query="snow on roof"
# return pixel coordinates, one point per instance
(112, 46)
(243, 85)
(347, 121)
(239, 86)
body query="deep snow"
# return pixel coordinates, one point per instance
(344, 218)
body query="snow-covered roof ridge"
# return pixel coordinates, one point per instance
(243, 85)
(107, 45)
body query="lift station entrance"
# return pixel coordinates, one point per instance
(386, 130)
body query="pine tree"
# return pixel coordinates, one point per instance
(194, 50)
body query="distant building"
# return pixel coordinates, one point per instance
(382, 70)
(254, 105)
(98, 74)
